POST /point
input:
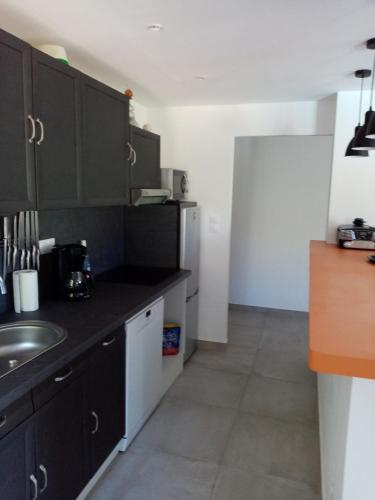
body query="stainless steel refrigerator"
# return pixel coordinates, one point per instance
(189, 259)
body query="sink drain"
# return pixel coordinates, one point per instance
(13, 362)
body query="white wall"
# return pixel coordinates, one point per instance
(280, 202)
(201, 139)
(359, 477)
(347, 437)
(140, 113)
(334, 407)
(353, 178)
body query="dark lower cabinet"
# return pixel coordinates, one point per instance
(60, 437)
(56, 92)
(57, 440)
(17, 466)
(145, 160)
(105, 137)
(107, 397)
(17, 173)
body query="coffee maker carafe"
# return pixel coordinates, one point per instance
(72, 281)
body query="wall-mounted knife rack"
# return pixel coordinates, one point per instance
(20, 243)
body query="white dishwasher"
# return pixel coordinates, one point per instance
(144, 338)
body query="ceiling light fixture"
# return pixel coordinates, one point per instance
(370, 115)
(360, 73)
(200, 77)
(361, 142)
(155, 27)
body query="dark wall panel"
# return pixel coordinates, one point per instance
(102, 228)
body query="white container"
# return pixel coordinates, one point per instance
(16, 291)
(25, 290)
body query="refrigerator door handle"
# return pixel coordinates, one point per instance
(188, 299)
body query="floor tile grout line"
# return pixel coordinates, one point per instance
(308, 384)
(294, 382)
(312, 424)
(235, 417)
(214, 482)
(223, 370)
(171, 453)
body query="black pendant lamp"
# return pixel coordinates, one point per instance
(360, 73)
(361, 142)
(370, 115)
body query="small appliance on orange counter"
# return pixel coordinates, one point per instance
(356, 235)
(171, 339)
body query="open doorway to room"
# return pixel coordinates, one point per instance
(280, 202)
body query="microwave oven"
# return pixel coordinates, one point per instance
(176, 181)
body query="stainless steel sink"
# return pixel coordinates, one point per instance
(23, 341)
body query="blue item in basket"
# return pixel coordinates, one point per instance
(171, 339)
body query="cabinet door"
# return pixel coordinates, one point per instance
(56, 90)
(60, 437)
(105, 150)
(145, 173)
(107, 397)
(17, 175)
(17, 464)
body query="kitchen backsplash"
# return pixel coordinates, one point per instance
(101, 227)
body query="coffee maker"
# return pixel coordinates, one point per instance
(73, 282)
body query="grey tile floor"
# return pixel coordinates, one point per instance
(240, 423)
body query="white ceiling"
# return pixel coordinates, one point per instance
(250, 50)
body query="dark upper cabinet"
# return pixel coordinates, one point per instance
(63, 136)
(56, 95)
(145, 162)
(17, 174)
(17, 471)
(60, 440)
(105, 135)
(107, 397)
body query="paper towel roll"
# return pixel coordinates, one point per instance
(16, 291)
(29, 289)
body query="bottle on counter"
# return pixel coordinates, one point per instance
(86, 267)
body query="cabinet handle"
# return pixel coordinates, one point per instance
(130, 150)
(32, 121)
(134, 157)
(45, 475)
(34, 482)
(96, 428)
(64, 377)
(3, 420)
(41, 138)
(106, 343)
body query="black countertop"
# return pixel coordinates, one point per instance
(87, 323)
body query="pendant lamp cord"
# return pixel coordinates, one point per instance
(360, 103)
(372, 83)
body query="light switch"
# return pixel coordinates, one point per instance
(214, 224)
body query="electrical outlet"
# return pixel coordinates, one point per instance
(46, 246)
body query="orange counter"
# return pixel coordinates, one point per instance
(342, 311)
